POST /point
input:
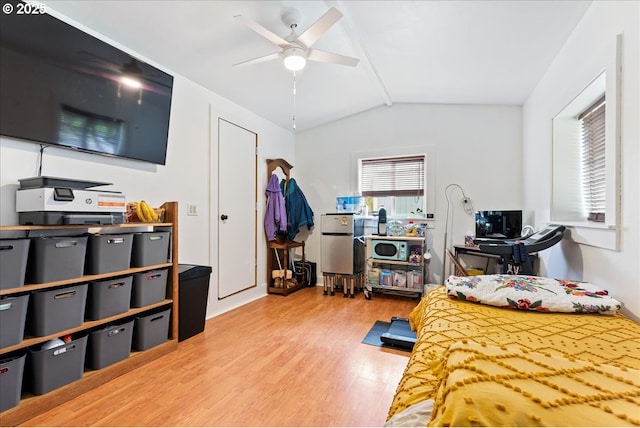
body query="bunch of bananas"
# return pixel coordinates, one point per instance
(145, 213)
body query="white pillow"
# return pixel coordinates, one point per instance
(533, 293)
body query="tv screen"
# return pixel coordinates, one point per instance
(498, 224)
(60, 86)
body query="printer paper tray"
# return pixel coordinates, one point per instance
(60, 217)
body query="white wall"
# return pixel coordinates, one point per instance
(273, 142)
(190, 175)
(477, 147)
(586, 53)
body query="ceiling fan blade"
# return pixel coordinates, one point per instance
(318, 28)
(273, 38)
(332, 58)
(269, 57)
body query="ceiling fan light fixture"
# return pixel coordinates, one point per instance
(131, 82)
(294, 59)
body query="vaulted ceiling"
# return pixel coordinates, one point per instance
(454, 52)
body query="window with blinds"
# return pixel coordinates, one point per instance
(592, 160)
(89, 131)
(394, 176)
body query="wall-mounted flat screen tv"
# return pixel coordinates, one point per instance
(498, 224)
(62, 87)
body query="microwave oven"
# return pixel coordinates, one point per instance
(385, 249)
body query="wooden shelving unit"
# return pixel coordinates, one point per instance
(32, 405)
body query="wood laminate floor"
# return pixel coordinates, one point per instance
(278, 361)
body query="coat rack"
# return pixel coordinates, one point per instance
(278, 249)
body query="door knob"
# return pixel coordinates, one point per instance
(224, 217)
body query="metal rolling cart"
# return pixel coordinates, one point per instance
(395, 265)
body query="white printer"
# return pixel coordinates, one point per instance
(53, 200)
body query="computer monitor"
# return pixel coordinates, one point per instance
(498, 224)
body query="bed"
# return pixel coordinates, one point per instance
(516, 361)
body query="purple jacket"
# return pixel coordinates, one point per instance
(275, 217)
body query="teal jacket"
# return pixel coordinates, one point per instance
(299, 213)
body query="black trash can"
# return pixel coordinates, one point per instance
(193, 291)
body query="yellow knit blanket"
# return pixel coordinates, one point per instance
(440, 322)
(483, 385)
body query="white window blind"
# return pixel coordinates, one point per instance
(397, 176)
(89, 131)
(592, 122)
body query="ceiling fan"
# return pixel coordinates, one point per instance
(128, 70)
(295, 49)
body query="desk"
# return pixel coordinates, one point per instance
(476, 252)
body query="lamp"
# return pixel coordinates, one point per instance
(468, 208)
(294, 59)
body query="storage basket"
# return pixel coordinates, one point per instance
(109, 345)
(57, 309)
(150, 248)
(11, 374)
(108, 253)
(14, 254)
(151, 330)
(149, 288)
(13, 316)
(57, 258)
(56, 367)
(109, 297)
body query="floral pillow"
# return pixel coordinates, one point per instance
(532, 293)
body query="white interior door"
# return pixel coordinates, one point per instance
(237, 203)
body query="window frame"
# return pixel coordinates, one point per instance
(597, 234)
(429, 152)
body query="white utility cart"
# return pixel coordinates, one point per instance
(395, 264)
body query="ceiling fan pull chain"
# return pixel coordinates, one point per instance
(294, 100)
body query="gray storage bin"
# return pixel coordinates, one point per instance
(151, 330)
(109, 345)
(150, 248)
(108, 297)
(149, 288)
(57, 258)
(56, 367)
(108, 253)
(56, 310)
(13, 316)
(11, 372)
(14, 254)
